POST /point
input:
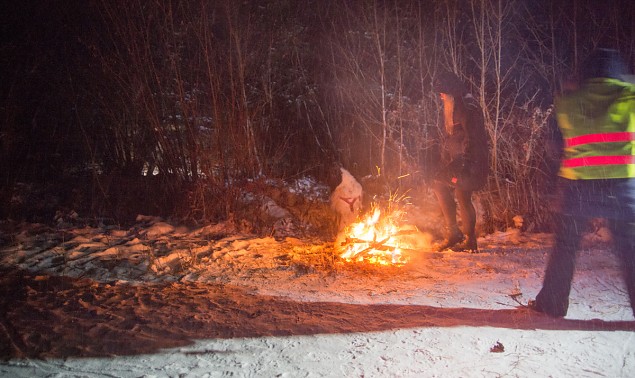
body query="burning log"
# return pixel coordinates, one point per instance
(380, 238)
(380, 246)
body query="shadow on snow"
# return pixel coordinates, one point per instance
(56, 317)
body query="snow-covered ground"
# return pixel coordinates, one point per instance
(159, 300)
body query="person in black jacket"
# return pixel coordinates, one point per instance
(464, 162)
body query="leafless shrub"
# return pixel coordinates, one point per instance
(171, 106)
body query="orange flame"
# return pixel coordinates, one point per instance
(376, 239)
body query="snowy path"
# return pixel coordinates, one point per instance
(163, 302)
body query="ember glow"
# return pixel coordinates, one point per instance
(378, 239)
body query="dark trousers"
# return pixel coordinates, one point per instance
(553, 298)
(445, 194)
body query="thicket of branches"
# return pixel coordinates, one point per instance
(172, 105)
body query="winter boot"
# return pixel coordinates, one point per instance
(454, 237)
(468, 246)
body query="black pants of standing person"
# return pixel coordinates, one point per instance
(446, 196)
(613, 200)
(553, 298)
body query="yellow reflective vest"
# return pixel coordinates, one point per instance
(598, 126)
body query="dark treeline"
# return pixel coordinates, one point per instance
(166, 106)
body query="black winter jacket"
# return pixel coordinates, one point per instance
(465, 153)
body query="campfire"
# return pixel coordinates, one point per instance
(380, 237)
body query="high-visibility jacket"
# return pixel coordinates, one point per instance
(598, 126)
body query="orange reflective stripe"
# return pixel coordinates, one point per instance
(598, 160)
(600, 138)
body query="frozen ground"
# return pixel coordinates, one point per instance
(158, 300)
